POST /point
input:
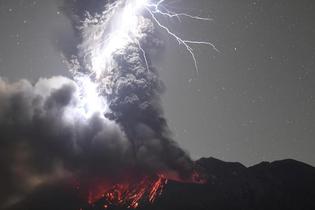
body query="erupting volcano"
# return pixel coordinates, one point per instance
(113, 54)
(107, 119)
(95, 135)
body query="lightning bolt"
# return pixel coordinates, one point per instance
(126, 15)
(154, 9)
(123, 23)
(185, 43)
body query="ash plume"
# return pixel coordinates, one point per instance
(43, 140)
(131, 86)
(47, 134)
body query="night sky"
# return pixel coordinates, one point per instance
(252, 101)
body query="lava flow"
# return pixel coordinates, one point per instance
(135, 192)
(131, 194)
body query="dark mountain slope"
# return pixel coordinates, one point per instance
(280, 185)
(286, 184)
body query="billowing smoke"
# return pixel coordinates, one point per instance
(101, 123)
(44, 137)
(128, 81)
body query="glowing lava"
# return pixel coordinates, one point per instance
(129, 194)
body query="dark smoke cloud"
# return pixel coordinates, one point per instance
(133, 93)
(40, 143)
(42, 140)
(134, 100)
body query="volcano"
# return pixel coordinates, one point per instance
(285, 184)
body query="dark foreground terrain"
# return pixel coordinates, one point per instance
(280, 185)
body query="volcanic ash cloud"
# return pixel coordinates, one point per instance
(45, 136)
(104, 124)
(115, 44)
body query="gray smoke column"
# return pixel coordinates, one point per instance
(128, 81)
(105, 121)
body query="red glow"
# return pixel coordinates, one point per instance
(131, 190)
(129, 194)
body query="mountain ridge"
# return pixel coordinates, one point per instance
(283, 184)
(279, 185)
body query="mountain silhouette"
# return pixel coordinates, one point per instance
(280, 185)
